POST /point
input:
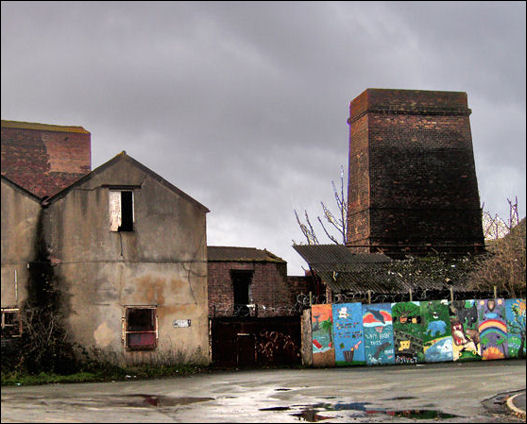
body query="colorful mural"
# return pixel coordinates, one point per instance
(347, 334)
(437, 336)
(515, 314)
(322, 335)
(378, 334)
(492, 328)
(407, 332)
(464, 327)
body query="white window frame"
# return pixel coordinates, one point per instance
(11, 311)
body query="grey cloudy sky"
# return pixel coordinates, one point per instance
(244, 105)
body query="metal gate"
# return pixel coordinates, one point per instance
(251, 342)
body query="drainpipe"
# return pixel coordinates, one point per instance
(16, 288)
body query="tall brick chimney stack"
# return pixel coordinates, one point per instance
(412, 181)
(43, 158)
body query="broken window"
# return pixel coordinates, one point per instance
(121, 210)
(11, 324)
(140, 328)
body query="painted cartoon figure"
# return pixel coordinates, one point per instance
(463, 340)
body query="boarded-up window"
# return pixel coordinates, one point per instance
(140, 328)
(11, 325)
(121, 210)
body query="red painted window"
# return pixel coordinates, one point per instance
(140, 328)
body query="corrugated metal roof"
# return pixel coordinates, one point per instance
(240, 254)
(334, 257)
(344, 271)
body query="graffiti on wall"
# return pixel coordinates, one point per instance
(322, 335)
(464, 328)
(407, 332)
(515, 314)
(492, 328)
(437, 338)
(348, 334)
(378, 334)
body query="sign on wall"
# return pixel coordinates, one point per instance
(348, 335)
(437, 339)
(464, 327)
(515, 314)
(322, 335)
(492, 328)
(407, 332)
(378, 333)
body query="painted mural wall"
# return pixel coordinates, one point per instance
(413, 332)
(348, 334)
(437, 334)
(492, 328)
(322, 335)
(515, 314)
(378, 334)
(464, 328)
(408, 332)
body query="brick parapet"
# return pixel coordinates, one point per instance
(43, 161)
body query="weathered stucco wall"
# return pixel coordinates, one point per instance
(162, 263)
(20, 214)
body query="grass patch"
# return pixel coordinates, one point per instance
(138, 372)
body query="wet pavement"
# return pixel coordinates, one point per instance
(449, 392)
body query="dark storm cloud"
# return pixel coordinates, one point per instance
(244, 105)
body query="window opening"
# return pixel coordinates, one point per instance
(121, 210)
(241, 281)
(140, 328)
(11, 324)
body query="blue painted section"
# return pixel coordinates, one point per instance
(378, 333)
(348, 334)
(515, 314)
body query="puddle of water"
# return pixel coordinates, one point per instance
(401, 398)
(422, 414)
(142, 400)
(282, 390)
(276, 408)
(311, 413)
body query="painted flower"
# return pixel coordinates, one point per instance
(493, 352)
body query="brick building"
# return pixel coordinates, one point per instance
(245, 281)
(44, 158)
(412, 180)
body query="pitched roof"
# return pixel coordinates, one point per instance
(21, 189)
(336, 257)
(120, 157)
(43, 127)
(240, 254)
(343, 271)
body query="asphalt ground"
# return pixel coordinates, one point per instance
(446, 392)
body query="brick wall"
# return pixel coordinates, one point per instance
(44, 159)
(268, 287)
(412, 180)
